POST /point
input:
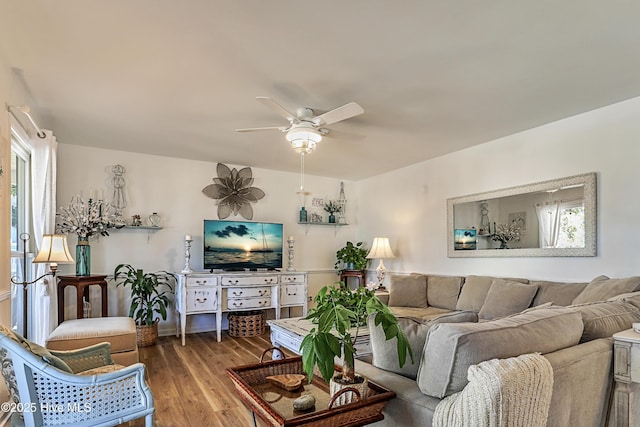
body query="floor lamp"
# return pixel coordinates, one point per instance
(53, 250)
(380, 249)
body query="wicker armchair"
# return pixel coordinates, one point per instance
(96, 393)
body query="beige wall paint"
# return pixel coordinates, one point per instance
(604, 141)
(173, 188)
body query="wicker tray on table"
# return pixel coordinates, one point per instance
(274, 405)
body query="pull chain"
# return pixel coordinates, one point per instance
(301, 171)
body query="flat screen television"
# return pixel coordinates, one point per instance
(242, 245)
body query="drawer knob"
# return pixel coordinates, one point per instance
(201, 300)
(237, 292)
(237, 304)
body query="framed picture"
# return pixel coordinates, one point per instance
(317, 208)
(519, 219)
(464, 239)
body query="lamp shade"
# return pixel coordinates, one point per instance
(53, 249)
(380, 249)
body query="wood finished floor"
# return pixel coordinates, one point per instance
(189, 384)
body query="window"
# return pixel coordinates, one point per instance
(571, 233)
(20, 216)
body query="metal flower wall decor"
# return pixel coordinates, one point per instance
(234, 192)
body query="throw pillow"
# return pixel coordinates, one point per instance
(558, 293)
(602, 288)
(385, 352)
(452, 347)
(506, 297)
(443, 291)
(605, 318)
(408, 291)
(474, 291)
(43, 354)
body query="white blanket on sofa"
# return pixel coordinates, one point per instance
(501, 393)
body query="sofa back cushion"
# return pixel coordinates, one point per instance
(557, 293)
(605, 318)
(408, 291)
(452, 347)
(385, 352)
(506, 297)
(602, 288)
(474, 291)
(443, 291)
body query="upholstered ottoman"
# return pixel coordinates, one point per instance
(79, 333)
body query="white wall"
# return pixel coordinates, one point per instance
(409, 205)
(173, 188)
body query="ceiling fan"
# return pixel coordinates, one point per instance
(305, 129)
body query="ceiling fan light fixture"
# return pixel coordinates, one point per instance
(303, 140)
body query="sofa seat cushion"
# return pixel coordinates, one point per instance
(602, 288)
(605, 318)
(408, 291)
(474, 291)
(385, 352)
(80, 333)
(452, 347)
(443, 291)
(506, 297)
(557, 293)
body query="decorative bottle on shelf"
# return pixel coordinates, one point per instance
(154, 220)
(303, 214)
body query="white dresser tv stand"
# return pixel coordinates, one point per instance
(223, 292)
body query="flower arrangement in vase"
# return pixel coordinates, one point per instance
(505, 233)
(86, 220)
(332, 207)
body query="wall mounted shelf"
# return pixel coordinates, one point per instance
(148, 228)
(335, 224)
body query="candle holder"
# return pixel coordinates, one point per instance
(187, 255)
(290, 242)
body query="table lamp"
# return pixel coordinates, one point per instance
(53, 250)
(380, 249)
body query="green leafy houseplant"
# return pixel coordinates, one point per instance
(338, 310)
(352, 254)
(149, 293)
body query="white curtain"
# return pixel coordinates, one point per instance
(43, 201)
(549, 223)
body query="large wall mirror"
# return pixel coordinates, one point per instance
(550, 218)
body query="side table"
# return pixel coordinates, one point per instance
(361, 275)
(81, 283)
(626, 372)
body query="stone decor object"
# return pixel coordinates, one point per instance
(304, 402)
(234, 192)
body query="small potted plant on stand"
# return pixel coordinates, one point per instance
(149, 296)
(339, 314)
(354, 257)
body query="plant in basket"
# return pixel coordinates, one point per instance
(339, 314)
(149, 296)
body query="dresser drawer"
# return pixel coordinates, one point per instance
(248, 303)
(249, 280)
(292, 278)
(248, 292)
(201, 281)
(201, 299)
(292, 294)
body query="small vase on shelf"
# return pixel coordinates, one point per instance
(303, 214)
(332, 218)
(83, 257)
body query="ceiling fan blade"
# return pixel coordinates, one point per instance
(280, 128)
(341, 113)
(270, 103)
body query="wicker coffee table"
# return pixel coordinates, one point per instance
(275, 405)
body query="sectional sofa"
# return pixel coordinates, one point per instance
(454, 323)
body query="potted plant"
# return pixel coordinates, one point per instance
(149, 296)
(332, 207)
(353, 256)
(338, 316)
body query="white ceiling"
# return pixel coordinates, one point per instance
(175, 78)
